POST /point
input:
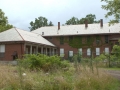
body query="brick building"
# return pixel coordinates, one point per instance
(14, 43)
(65, 40)
(84, 38)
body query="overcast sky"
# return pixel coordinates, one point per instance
(21, 12)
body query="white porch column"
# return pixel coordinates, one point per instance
(30, 49)
(41, 50)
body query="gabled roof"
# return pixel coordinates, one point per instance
(16, 34)
(78, 30)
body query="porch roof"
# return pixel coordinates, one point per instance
(16, 34)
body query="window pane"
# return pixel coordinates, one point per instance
(88, 51)
(106, 39)
(61, 52)
(61, 40)
(106, 50)
(97, 51)
(2, 48)
(70, 53)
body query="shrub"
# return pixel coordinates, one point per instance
(43, 62)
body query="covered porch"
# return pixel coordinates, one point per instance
(39, 48)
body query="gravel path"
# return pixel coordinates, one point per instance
(115, 73)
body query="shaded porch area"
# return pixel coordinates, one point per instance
(42, 49)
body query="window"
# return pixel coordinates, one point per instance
(2, 50)
(61, 52)
(80, 51)
(88, 38)
(106, 39)
(89, 51)
(70, 53)
(61, 40)
(97, 39)
(97, 51)
(106, 50)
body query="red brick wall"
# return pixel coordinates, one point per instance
(55, 40)
(10, 48)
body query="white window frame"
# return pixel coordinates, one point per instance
(88, 51)
(80, 51)
(97, 51)
(2, 48)
(106, 50)
(70, 53)
(61, 52)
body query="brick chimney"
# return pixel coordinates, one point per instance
(58, 25)
(101, 22)
(86, 23)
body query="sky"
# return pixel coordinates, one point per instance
(21, 12)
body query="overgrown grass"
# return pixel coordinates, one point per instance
(12, 78)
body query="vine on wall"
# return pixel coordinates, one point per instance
(77, 41)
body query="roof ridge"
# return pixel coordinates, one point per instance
(20, 34)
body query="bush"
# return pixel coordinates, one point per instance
(43, 62)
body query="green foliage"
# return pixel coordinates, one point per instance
(74, 21)
(113, 8)
(116, 51)
(40, 61)
(39, 22)
(101, 57)
(4, 22)
(76, 41)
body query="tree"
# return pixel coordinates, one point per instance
(4, 22)
(39, 22)
(72, 21)
(113, 8)
(90, 18)
(50, 24)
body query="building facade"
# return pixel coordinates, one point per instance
(86, 39)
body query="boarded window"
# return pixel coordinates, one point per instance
(70, 53)
(88, 51)
(97, 51)
(106, 50)
(61, 52)
(80, 51)
(2, 50)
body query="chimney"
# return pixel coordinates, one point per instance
(58, 25)
(86, 23)
(101, 22)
